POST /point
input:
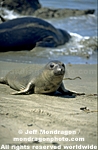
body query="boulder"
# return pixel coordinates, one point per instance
(22, 6)
(45, 13)
(33, 8)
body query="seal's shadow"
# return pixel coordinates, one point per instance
(58, 94)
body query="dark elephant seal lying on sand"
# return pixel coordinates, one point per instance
(48, 81)
(27, 32)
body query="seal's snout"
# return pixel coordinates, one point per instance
(60, 70)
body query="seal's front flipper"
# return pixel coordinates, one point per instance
(67, 92)
(27, 90)
(2, 80)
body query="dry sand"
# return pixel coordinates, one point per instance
(36, 113)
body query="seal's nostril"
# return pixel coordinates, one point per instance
(60, 69)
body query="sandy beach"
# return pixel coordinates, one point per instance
(38, 121)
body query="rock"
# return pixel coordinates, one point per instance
(23, 7)
(57, 13)
(33, 8)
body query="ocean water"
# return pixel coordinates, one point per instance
(83, 29)
(74, 4)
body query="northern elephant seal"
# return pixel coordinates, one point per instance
(27, 32)
(49, 80)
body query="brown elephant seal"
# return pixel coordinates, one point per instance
(27, 32)
(48, 81)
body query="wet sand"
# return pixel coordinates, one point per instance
(36, 113)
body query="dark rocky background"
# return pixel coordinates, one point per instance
(24, 7)
(34, 8)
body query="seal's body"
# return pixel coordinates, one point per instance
(27, 32)
(48, 81)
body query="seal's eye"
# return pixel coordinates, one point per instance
(63, 65)
(51, 66)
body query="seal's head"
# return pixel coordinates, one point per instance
(57, 67)
(54, 71)
(51, 77)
